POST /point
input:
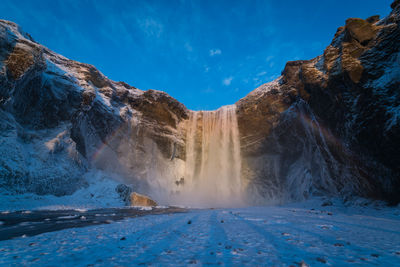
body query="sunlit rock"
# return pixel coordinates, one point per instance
(141, 200)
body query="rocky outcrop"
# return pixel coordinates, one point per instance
(141, 200)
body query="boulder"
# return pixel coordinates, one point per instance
(141, 200)
(361, 30)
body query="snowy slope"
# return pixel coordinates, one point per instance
(97, 192)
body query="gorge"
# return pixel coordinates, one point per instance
(326, 127)
(302, 171)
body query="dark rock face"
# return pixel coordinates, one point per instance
(363, 105)
(352, 91)
(395, 4)
(47, 100)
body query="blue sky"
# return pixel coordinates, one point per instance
(203, 53)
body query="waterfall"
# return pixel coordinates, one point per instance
(213, 161)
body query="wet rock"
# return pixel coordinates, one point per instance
(141, 200)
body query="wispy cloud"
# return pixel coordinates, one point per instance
(151, 27)
(188, 47)
(269, 58)
(227, 81)
(261, 73)
(208, 90)
(215, 51)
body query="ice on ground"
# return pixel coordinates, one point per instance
(263, 236)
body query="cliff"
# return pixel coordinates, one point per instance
(327, 126)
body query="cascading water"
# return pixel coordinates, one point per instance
(213, 161)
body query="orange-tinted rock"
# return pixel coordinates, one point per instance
(361, 30)
(19, 61)
(141, 200)
(350, 62)
(331, 54)
(373, 19)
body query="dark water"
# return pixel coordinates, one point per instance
(30, 223)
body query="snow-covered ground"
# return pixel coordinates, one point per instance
(262, 236)
(99, 193)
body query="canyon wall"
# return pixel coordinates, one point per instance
(327, 126)
(330, 125)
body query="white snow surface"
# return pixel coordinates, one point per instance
(99, 193)
(262, 236)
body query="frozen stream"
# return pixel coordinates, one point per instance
(30, 223)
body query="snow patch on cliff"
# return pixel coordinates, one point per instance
(383, 87)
